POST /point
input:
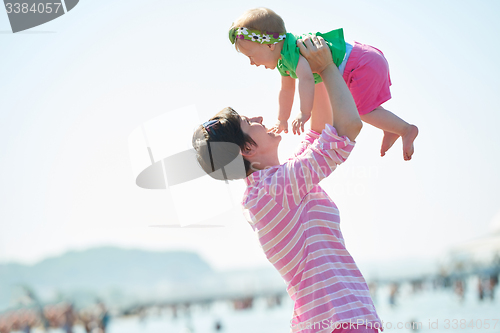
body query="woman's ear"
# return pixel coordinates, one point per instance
(248, 151)
(271, 46)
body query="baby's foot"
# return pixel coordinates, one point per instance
(387, 142)
(408, 139)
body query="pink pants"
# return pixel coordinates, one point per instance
(367, 77)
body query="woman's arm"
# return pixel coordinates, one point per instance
(345, 115)
(298, 175)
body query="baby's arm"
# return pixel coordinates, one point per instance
(306, 93)
(287, 93)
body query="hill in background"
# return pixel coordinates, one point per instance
(125, 276)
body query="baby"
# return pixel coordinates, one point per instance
(260, 34)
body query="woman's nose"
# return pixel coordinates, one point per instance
(257, 119)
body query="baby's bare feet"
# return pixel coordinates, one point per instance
(387, 142)
(408, 139)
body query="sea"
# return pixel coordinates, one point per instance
(426, 310)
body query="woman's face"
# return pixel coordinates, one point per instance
(266, 141)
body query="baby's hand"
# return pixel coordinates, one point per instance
(299, 121)
(281, 125)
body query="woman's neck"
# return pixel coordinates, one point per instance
(265, 162)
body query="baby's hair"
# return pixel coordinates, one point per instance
(213, 157)
(263, 19)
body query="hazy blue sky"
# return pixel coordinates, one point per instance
(75, 88)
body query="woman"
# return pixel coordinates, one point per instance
(297, 223)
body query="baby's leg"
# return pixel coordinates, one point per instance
(393, 127)
(321, 101)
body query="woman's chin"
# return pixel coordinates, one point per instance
(273, 134)
(278, 137)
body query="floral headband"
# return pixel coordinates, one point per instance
(262, 37)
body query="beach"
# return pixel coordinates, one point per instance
(428, 309)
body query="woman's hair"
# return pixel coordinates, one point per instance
(263, 19)
(220, 145)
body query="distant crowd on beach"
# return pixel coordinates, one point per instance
(486, 287)
(62, 316)
(95, 319)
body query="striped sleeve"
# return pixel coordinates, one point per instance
(299, 175)
(309, 138)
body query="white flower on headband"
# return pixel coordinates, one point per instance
(255, 37)
(242, 31)
(265, 38)
(282, 37)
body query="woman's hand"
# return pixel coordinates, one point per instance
(317, 53)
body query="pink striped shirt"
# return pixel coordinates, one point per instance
(299, 231)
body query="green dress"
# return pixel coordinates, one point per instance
(290, 52)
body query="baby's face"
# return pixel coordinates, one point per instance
(260, 54)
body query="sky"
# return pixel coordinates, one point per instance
(74, 89)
